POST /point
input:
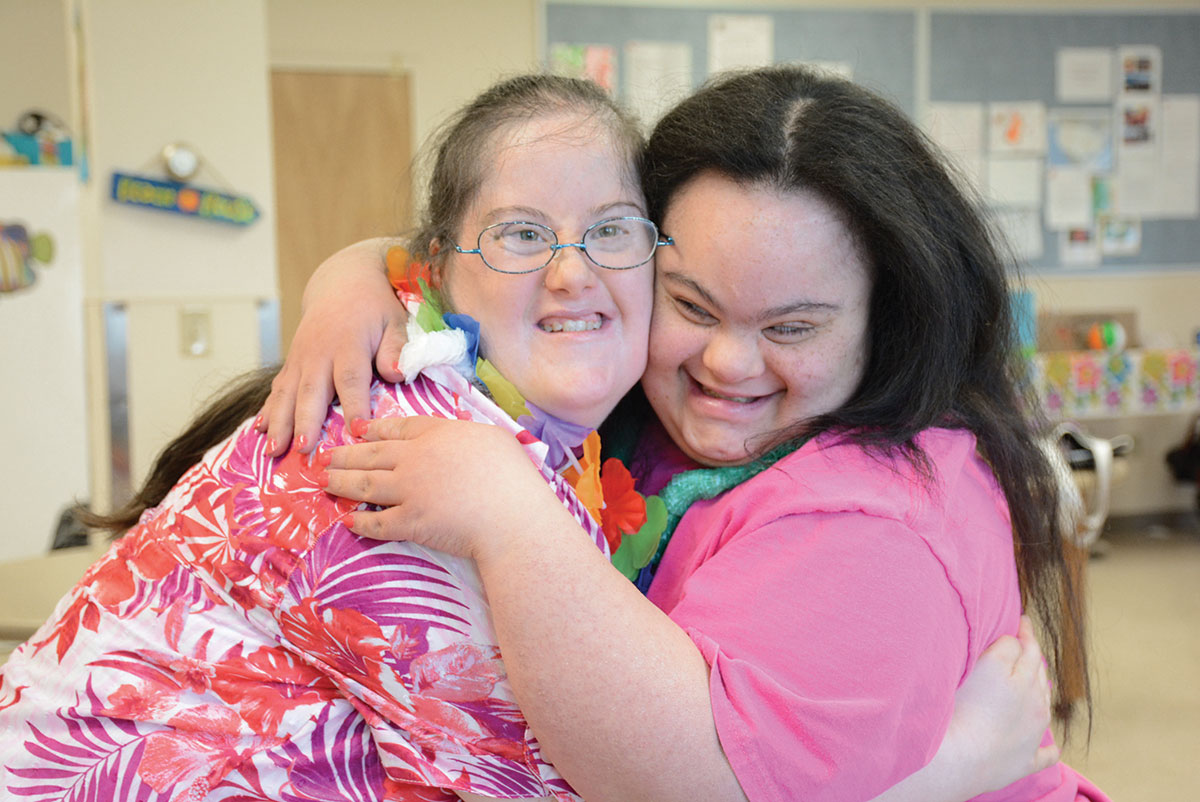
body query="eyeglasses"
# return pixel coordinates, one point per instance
(618, 243)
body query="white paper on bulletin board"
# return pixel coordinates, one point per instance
(1179, 194)
(1015, 182)
(43, 370)
(657, 75)
(958, 128)
(740, 40)
(1083, 74)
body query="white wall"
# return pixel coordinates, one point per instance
(41, 326)
(158, 73)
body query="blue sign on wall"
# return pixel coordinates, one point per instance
(169, 196)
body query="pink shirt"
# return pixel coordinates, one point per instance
(840, 599)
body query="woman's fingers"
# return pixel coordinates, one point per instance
(352, 384)
(372, 486)
(387, 359)
(1030, 657)
(401, 429)
(311, 398)
(385, 524)
(277, 415)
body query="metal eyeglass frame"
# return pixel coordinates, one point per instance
(557, 246)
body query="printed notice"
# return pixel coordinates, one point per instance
(1084, 74)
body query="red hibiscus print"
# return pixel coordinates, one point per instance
(462, 672)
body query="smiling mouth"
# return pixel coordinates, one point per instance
(557, 325)
(737, 399)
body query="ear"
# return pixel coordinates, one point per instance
(435, 265)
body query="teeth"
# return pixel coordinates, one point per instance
(571, 325)
(740, 399)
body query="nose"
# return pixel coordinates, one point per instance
(733, 357)
(570, 270)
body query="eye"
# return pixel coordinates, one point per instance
(522, 232)
(522, 237)
(607, 230)
(787, 332)
(694, 313)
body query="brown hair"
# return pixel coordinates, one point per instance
(464, 145)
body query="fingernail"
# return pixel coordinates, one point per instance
(301, 441)
(258, 423)
(358, 427)
(350, 521)
(323, 458)
(323, 478)
(271, 445)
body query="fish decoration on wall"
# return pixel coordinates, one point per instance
(19, 250)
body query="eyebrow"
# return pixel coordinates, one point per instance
(775, 311)
(505, 213)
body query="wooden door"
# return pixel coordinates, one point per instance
(343, 144)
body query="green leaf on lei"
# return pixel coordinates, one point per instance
(429, 313)
(637, 549)
(501, 389)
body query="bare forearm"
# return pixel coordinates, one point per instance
(362, 264)
(616, 693)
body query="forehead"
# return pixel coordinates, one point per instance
(562, 136)
(757, 241)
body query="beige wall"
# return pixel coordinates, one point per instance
(158, 73)
(34, 61)
(452, 49)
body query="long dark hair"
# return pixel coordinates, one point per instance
(941, 332)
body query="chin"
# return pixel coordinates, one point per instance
(718, 456)
(581, 414)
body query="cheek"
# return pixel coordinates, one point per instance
(667, 341)
(634, 295)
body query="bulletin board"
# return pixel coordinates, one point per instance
(877, 44)
(998, 58)
(922, 57)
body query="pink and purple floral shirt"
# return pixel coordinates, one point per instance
(241, 643)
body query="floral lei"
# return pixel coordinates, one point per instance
(632, 524)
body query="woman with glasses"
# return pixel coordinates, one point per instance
(239, 642)
(842, 446)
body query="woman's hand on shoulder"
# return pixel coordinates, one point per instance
(1002, 711)
(350, 316)
(443, 483)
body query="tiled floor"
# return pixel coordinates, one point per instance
(1144, 593)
